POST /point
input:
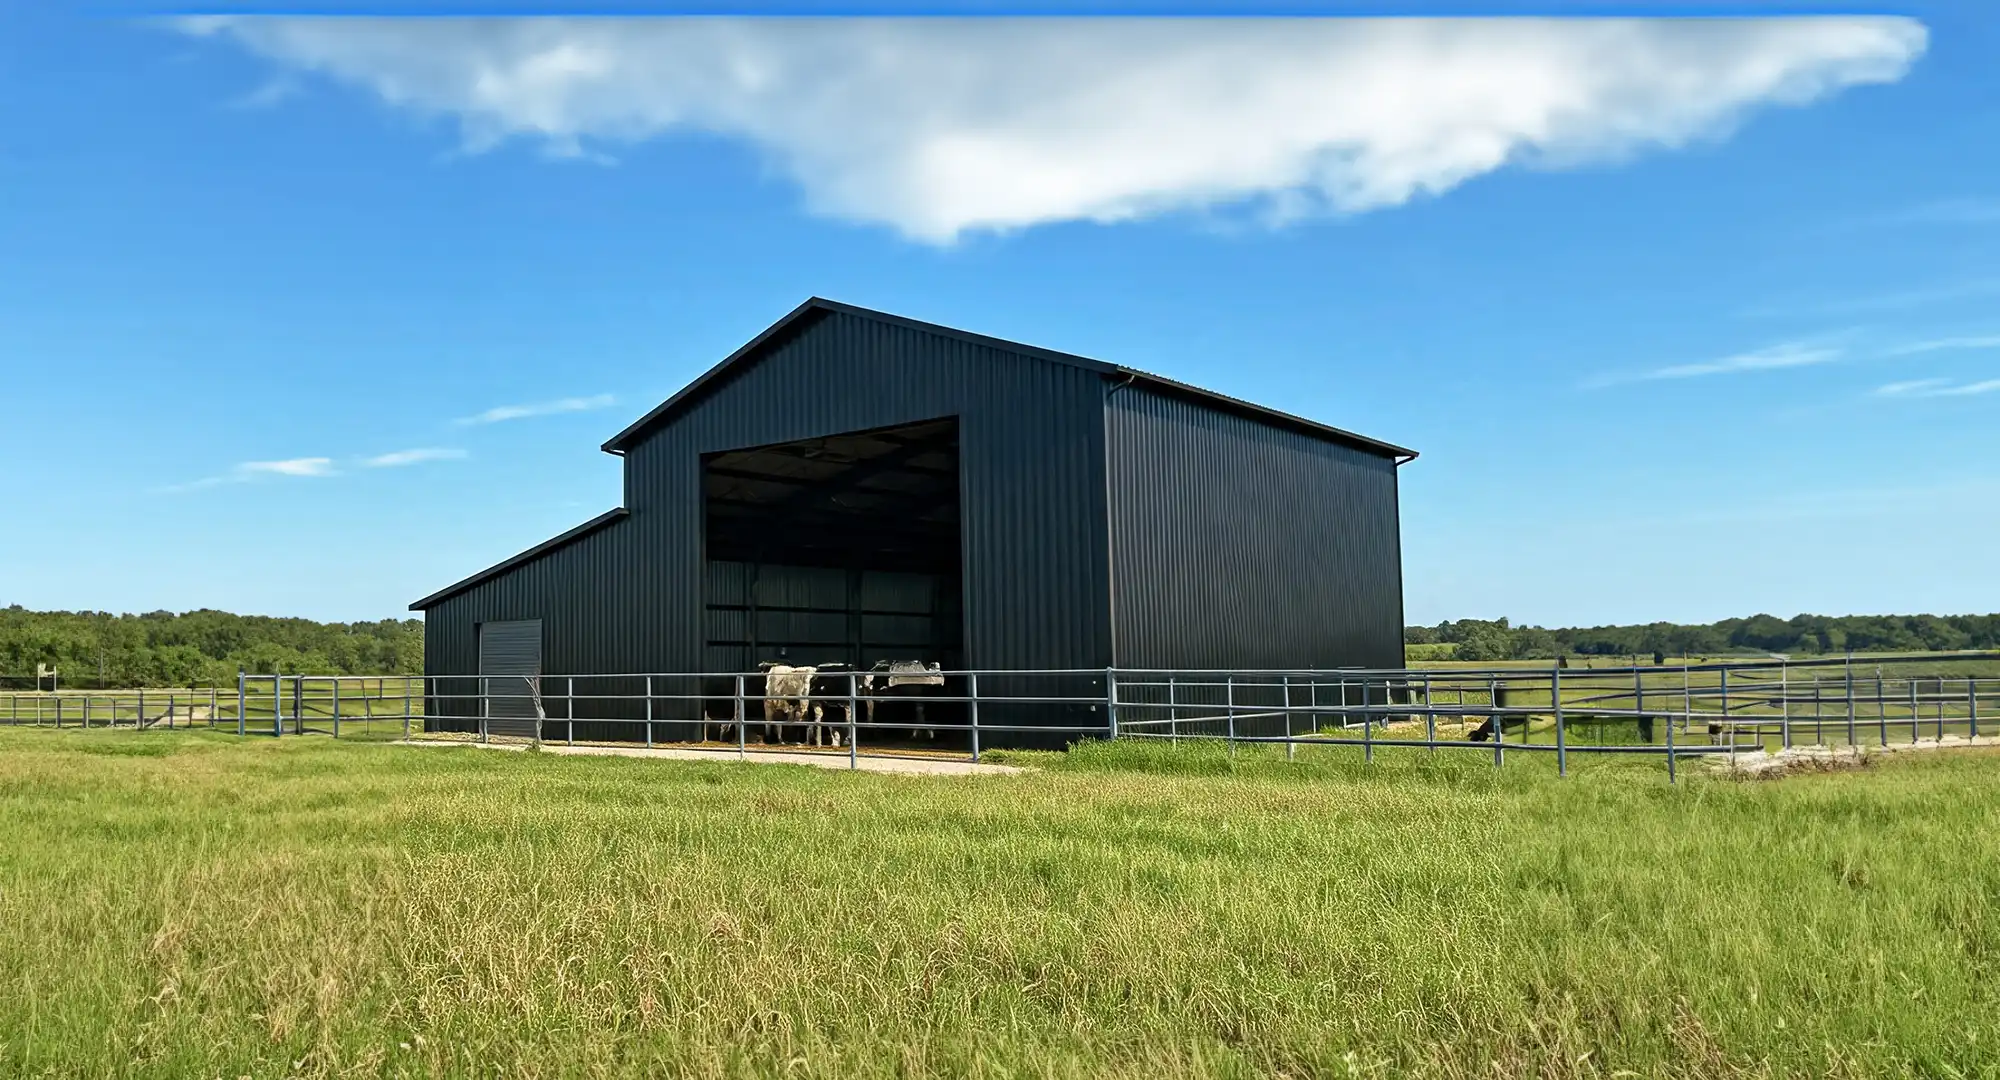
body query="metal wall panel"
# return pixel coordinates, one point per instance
(1031, 484)
(631, 597)
(1240, 545)
(509, 648)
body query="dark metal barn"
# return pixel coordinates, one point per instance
(854, 486)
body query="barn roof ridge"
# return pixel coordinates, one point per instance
(816, 308)
(563, 539)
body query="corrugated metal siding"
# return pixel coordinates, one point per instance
(1239, 545)
(589, 623)
(1031, 456)
(509, 647)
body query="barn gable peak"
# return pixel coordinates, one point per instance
(817, 308)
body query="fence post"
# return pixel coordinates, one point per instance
(1670, 748)
(1851, 737)
(242, 700)
(1291, 748)
(335, 681)
(972, 692)
(1881, 706)
(742, 739)
(1971, 704)
(1367, 720)
(853, 722)
(277, 706)
(1111, 701)
(1173, 708)
(1493, 714)
(485, 706)
(1556, 696)
(1229, 707)
(569, 710)
(1785, 703)
(649, 717)
(139, 722)
(1914, 725)
(1430, 715)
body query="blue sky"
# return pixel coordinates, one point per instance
(1688, 319)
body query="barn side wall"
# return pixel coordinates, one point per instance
(588, 625)
(1239, 545)
(1031, 461)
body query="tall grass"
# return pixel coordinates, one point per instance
(195, 905)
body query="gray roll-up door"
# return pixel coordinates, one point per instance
(508, 651)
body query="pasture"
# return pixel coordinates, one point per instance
(191, 904)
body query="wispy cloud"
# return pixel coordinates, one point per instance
(500, 413)
(1946, 292)
(398, 458)
(1936, 388)
(271, 93)
(1949, 212)
(248, 471)
(305, 466)
(937, 127)
(1790, 354)
(1915, 348)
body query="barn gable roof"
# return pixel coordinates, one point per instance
(817, 308)
(553, 543)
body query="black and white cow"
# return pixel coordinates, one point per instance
(903, 679)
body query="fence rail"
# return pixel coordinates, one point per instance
(1668, 712)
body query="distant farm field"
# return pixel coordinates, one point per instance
(193, 904)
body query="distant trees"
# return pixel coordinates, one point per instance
(1497, 639)
(161, 648)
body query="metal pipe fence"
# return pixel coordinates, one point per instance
(1668, 712)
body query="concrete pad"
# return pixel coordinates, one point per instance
(1824, 758)
(911, 766)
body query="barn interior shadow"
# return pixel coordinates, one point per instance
(838, 553)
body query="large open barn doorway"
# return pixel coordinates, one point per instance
(836, 550)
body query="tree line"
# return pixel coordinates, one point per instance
(1497, 639)
(161, 648)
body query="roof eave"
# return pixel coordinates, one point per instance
(553, 543)
(1401, 454)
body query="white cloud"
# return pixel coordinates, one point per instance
(305, 466)
(1789, 355)
(1951, 212)
(272, 93)
(939, 126)
(1941, 344)
(245, 472)
(1934, 388)
(541, 408)
(415, 456)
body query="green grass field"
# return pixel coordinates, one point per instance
(191, 904)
